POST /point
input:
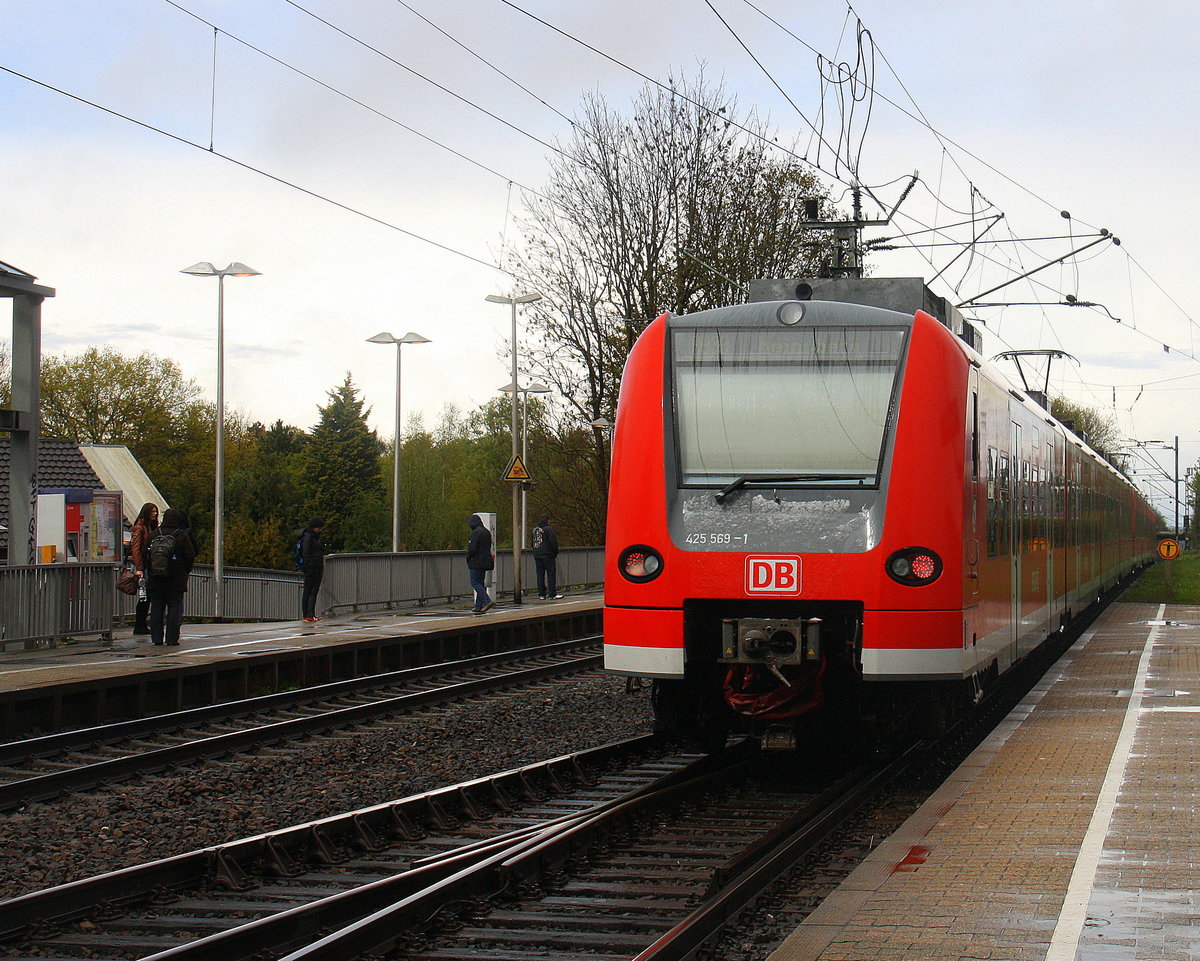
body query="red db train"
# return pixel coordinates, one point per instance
(823, 509)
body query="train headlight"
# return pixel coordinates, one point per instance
(640, 563)
(914, 566)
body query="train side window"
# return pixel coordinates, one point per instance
(1024, 505)
(993, 502)
(1003, 516)
(975, 435)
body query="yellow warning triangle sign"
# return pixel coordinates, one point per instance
(515, 471)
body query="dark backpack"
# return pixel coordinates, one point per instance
(298, 552)
(160, 553)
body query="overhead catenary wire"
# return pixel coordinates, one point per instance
(919, 116)
(248, 166)
(334, 90)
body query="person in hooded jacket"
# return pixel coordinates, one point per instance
(144, 528)
(479, 562)
(312, 561)
(545, 550)
(166, 590)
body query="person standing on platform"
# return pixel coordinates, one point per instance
(170, 553)
(144, 528)
(479, 562)
(312, 563)
(545, 550)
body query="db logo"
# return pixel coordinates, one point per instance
(773, 575)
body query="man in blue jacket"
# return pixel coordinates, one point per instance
(479, 562)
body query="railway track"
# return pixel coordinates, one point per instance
(237, 899)
(607, 854)
(44, 767)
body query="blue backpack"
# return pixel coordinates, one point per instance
(297, 553)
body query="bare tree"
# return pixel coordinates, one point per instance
(5, 374)
(675, 208)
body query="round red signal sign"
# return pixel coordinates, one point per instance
(1168, 548)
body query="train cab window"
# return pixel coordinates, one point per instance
(825, 396)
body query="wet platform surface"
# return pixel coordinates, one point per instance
(89, 681)
(1070, 834)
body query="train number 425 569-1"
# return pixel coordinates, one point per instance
(716, 537)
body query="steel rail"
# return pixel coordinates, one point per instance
(19, 792)
(48, 744)
(469, 871)
(505, 868)
(284, 850)
(742, 882)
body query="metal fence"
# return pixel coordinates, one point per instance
(251, 594)
(44, 603)
(355, 582)
(41, 603)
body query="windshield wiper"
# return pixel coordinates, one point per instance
(764, 479)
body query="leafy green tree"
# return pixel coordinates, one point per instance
(103, 397)
(1094, 426)
(341, 470)
(264, 489)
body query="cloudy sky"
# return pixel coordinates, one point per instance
(374, 194)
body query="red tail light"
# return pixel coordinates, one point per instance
(914, 566)
(640, 563)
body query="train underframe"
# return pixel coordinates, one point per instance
(790, 674)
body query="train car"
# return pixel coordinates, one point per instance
(827, 510)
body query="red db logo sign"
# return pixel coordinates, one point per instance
(773, 575)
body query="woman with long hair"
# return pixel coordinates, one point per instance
(139, 539)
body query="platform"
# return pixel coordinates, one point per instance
(86, 683)
(1070, 833)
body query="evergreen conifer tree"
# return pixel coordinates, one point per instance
(341, 469)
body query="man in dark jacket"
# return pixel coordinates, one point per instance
(312, 563)
(545, 550)
(479, 562)
(170, 553)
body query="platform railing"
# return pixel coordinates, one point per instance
(42, 604)
(356, 582)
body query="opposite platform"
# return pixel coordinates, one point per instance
(80, 685)
(1070, 833)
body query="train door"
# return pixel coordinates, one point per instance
(1016, 519)
(976, 493)
(1053, 532)
(1077, 526)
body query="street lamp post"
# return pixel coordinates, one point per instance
(516, 500)
(386, 338)
(205, 269)
(534, 388)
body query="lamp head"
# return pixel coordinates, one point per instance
(206, 269)
(517, 299)
(202, 269)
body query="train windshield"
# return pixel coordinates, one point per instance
(803, 407)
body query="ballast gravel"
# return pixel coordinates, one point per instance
(80, 835)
